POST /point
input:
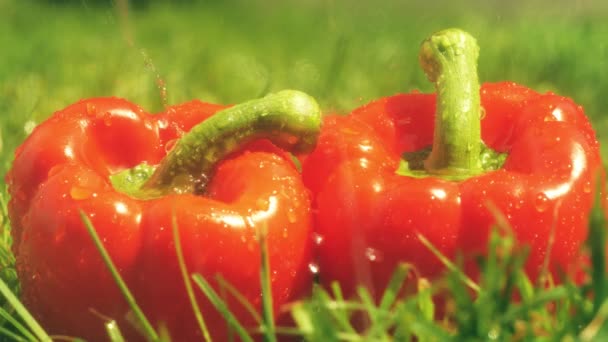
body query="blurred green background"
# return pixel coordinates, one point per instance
(345, 53)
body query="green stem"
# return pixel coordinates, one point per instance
(290, 119)
(449, 59)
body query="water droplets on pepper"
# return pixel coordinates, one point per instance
(587, 187)
(541, 202)
(313, 267)
(317, 238)
(373, 254)
(107, 119)
(292, 216)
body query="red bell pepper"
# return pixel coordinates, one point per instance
(435, 165)
(218, 184)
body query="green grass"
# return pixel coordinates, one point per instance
(344, 53)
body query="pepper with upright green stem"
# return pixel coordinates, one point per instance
(228, 176)
(431, 165)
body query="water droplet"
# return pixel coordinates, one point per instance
(313, 267)
(292, 217)
(482, 113)
(60, 233)
(91, 110)
(107, 119)
(587, 187)
(29, 126)
(54, 170)
(317, 238)
(262, 203)
(80, 193)
(162, 124)
(494, 333)
(541, 202)
(373, 254)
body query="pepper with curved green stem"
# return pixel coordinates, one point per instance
(290, 119)
(429, 164)
(99, 157)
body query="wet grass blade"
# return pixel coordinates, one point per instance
(113, 331)
(221, 306)
(147, 328)
(187, 282)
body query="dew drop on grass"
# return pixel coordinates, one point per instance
(541, 202)
(29, 126)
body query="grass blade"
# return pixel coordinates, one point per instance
(267, 310)
(23, 330)
(449, 265)
(394, 286)
(597, 243)
(221, 306)
(224, 284)
(339, 312)
(185, 276)
(114, 332)
(36, 329)
(425, 299)
(12, 336)
(141, 318)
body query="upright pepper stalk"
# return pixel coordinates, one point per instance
(535, 164)
(449, 59)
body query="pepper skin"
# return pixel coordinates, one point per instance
(371, 216)
(66, 166)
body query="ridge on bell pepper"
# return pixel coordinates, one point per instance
(429, 164)
(132, 173)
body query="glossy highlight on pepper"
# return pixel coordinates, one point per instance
(96, 155)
